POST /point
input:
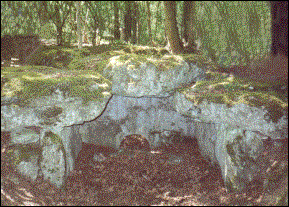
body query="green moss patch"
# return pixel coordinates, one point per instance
(232, 91)
(160, 57)
(28, 83)
(93, 62)
(27, 152)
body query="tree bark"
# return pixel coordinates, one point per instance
(127, 21)
(189, 37)
(134, 23)
(79, 24)
(116, 33)
(149, 20)
(279, 28)
(185, 21)
(85, 32)
(59, 38)
(137, 9)
(171, 27)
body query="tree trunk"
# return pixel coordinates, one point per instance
(279, 28)
(116, 21)
(149, 21)
(137, 22)
(171, 27)
(189, 37)
(158, 20)
(85, 32)
(43, 16)
(94, 36)
(127, 21)
(185, 21)
(79, 24)
(59, 38)
(133, 23)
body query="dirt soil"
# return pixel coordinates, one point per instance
(169, 175)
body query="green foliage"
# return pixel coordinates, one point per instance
(224, 37)
(19, 17)
(229, 39)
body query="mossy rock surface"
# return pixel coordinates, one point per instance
(230, 90)
(56, 56)
(29, 82)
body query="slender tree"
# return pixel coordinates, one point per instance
(127, 20)
(149, 19)
(134, 14)
(188, 24)
(137, 20)
(116, 20)
(172, 31)
(279, 31)
(85, 32)
(79, 23)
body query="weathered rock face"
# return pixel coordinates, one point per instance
(158, 99)
(47, 98)
(150, 117)
(45, 101)
(236, 103)
(235, 150)
(231, 118)
(139, 77)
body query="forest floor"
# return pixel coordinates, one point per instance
(136, 178)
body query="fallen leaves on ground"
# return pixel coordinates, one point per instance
(134, 178)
